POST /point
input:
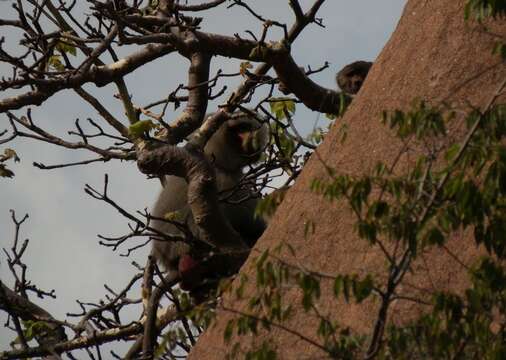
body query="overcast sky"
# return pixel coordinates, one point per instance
(64, 253)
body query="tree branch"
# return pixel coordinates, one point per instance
(100, 75)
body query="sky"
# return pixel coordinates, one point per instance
(64, 252)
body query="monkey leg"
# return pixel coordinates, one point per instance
(192, 272)
(201, 276)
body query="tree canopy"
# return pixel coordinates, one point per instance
(390, 241)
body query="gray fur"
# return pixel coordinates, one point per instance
(229, 162)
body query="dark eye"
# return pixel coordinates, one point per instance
(355, 73)
(240, 128)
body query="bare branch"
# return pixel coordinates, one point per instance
(100, 75)
(199, 7)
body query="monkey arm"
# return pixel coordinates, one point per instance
(212, 226)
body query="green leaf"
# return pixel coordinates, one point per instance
(140, 127)
(500, 49)
(261, 260)
(344, 102)
(9, 154)
(176, 216)
(310, 287)
(54, 61)
(482, 9)
(281, 106)
(316, 137)
(229, 330)
(34, 328)
(379, 209)
(367, 230)
(259, 51)
(346, 288)
(244, 66)
(362, 289)
(338, 285)
(66, 48)
(264, 352)
(309, 228)
(5, 172)
(435, 237)
(452, 151)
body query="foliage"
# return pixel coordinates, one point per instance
(34, 329)
(403, 211)
(8, 155)
(482, 9)
(465, 326)
(460, 186)
(282, 107)
(141, 127)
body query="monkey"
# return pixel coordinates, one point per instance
(238, 143)
(351, 77)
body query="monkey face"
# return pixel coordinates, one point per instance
(247, 140)
(353, 83)
(237, 143)
(352, 76)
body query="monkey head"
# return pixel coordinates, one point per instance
(351, 77)
(238, 142)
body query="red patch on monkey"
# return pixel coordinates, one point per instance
(191, 272)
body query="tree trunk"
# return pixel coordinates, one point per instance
(433, 55)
